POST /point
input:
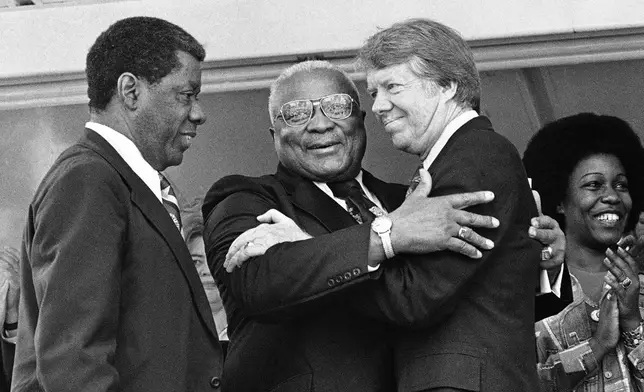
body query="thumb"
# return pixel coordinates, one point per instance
(272, 216)
(425, 184)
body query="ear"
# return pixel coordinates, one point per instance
(128, 90)
(449, 91)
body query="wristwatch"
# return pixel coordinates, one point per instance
(382, 226)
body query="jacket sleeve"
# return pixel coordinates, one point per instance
(419, 291)
(75, 261)
(291, 277)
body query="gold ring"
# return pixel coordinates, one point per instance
(461, 232)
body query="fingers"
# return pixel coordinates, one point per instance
(273, 216)
(470, 236)
(425, 184)
(545, 236)
(237, 259)
(240, 242)
(459, 246)
(464, 200)
(470, 219)
(618, 266)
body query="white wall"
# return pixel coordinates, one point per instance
(54, 40)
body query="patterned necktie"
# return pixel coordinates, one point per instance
(415, 180)
(170, 201)
(361, 208)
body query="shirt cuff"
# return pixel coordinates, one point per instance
(371, 269)
(546, 287)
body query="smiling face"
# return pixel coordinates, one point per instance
(323, 149)
(413, 111)
(597, 202)
(168, 114)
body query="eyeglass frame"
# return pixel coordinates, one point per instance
(316, 102)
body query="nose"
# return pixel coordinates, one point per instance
(197, 115)
(610, 196)
(380, 105)
(319, 122)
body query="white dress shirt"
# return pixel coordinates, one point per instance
(131, 155)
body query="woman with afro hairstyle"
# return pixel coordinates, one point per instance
(587, 169)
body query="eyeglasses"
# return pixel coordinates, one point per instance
(300, 112)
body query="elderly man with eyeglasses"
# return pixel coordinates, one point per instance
(301, 309)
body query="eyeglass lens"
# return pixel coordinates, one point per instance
(334, 106)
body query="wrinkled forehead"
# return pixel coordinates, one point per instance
(312, 85)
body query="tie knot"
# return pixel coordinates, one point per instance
(344, 189)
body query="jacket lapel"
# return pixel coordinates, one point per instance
(391, 196)
(306, 196)
(158, 217)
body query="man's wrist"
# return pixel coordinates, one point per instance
(382, 226)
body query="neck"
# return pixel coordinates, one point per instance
(451, 112)
(584, 258)
(113, 120)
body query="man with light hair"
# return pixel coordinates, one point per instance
(425, 88)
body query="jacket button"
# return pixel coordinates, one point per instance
(608, 374)
(595, 315)
(330, 282)
(356, 271)
(640, 366)
(347, 275)
(215, 382)
(338, 279)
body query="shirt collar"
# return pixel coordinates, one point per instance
(325, 188)
(449, 130)
(130, 154)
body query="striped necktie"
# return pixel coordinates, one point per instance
(359, 206)
(170, 201)
(415, 180)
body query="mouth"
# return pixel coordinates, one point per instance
(387, 121)
(609, 218)
(322, 146)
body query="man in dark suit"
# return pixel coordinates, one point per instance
(288, 329)
(110, 298)
(479, 328)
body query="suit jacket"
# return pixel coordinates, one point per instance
(473, 319)
(287, 329)
(110, 297)
(462, 323)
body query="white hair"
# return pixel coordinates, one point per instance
(305, 66)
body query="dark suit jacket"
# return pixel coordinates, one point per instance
(110, 297)
(464, 323)
(473, 320)
(287, 329)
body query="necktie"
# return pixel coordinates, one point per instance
(415, 180)
(361, 208)
(170, 201)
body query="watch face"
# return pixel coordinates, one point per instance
(381, 224)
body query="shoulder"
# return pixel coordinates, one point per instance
(79, 168)
(265, 186)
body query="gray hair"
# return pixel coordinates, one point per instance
(432, 50)
(305, 66)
